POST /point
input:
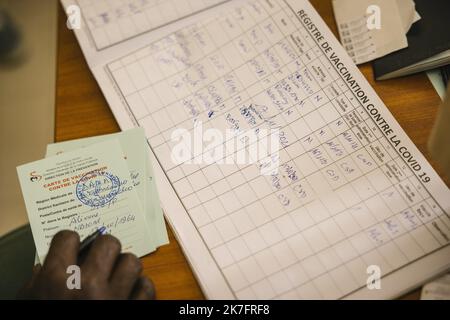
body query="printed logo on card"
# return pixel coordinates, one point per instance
(35, 177)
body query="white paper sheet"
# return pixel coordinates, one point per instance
(364, 194)
(110, 22)
(362, 44)
(439, 289)
(408, 13)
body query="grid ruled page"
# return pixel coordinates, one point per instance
(114, 21)
(344, 198)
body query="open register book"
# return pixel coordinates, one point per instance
(352, 195)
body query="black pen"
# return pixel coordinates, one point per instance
(87, 242)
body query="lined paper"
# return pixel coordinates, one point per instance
(114, 21)
(348, 193)
(352, 200)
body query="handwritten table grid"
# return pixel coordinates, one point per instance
(114, 66)
(110, 22)
(248, 274)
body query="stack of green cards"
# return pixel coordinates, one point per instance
(88, 183)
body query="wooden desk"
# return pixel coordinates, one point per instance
(81, 111)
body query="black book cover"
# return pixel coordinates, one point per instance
(426, 38)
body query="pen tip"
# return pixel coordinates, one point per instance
(102, 230)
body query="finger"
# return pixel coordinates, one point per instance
(125, 275)
(63, 251)
(35, 273)
(22, 294)
(143, 290)
(102, 257)
(36, 270)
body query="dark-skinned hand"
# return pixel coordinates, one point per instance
(105, 272)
